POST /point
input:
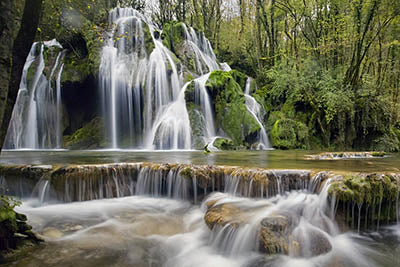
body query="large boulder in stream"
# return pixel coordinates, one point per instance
(222, 214)
(274, 234)
(278, 233)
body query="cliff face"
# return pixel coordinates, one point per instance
(6, 44)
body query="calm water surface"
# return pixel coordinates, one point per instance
(275, 159)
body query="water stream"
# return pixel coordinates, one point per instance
(36, 118)
(151, 231)
(258, 112)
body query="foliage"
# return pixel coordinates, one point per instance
(7, 205)
(331, 65)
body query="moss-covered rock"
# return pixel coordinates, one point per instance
(374, 194)
(173, 35)
(14, 231)
(90, 136)
(148, 40)
(174, 38)
(239, 77)
(197, 125)
(274, 234)
(223, 144)
(222, 214)
(232, 116)
(289, 134)
(76, 69)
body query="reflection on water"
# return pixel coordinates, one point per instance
(275, 159)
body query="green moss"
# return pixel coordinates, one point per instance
(197, 125)
(173, 35)
(94, 43)
(12, 224)
(378, 154)
(148, 40)
(370, 190)
(289, 134)
(224, 144)
(389, 141)
(89, 136)
(75, 69)
(240, 78)
(232, 115)
(186, 172)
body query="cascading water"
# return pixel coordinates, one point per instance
(143, 96)
(202, 99)
(257, 111)
(36, 118)
(290, 229)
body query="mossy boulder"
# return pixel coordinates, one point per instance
(173, 35)
(223, 144)
(289, 134)
(14, 231)
(274, 234)
(197, 125)
(88, 137)
(232, 116)
(222, 214)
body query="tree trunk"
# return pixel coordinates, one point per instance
(22, 45)
(6, 44)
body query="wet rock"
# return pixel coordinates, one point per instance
(274, 234)
(232, 116)
(14, 231)
(88, 137)
(52, 233)
(316, 244)
(375, 194)
(222, 214)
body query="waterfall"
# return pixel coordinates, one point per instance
(141, 84)
(179, 181)
(36, 118)
(202, 99)
(257, 111)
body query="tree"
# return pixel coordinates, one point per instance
(6, 44)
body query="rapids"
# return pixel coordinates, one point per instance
(150, 231)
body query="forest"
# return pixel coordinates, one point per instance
(327, 71)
